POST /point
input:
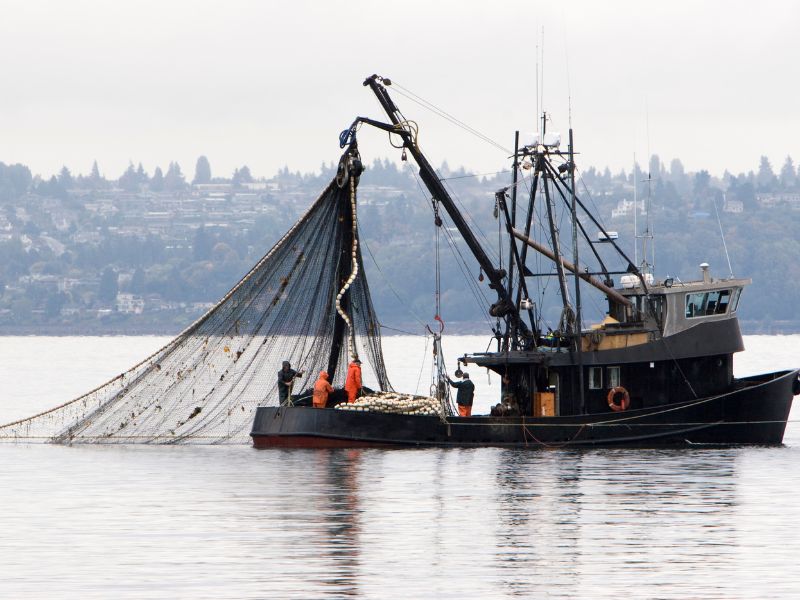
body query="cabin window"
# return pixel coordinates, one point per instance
(704, 304)
(722, 302)
(735, 302)
(613, 377)
(595, 378)
(643, 307)
(695, 305)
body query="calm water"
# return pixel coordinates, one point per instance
(233, 522)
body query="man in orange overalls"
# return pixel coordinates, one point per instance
(322, 388)
(466, 393)
(352, 384)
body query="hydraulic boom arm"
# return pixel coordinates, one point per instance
(504, 305)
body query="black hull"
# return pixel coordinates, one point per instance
(755, 412)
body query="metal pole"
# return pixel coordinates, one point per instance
(562, 280)
(578, 322)
(512, 245)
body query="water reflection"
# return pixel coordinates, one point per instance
(538, 502)
(511, 523)
(576, 519)
(339, 543)
(484, 523)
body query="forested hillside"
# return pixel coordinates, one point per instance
(150, 252)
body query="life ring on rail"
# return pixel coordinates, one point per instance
(624, 403)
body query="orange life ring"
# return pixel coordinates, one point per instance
(612, 399)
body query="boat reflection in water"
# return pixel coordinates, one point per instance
(430, 523)
(338, 533)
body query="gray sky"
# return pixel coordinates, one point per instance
(269, 84)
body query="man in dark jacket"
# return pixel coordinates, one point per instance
(466, 392)
(286, 377)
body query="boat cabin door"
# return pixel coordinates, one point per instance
(546, 401)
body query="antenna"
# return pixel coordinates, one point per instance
(566, 61)
(649, 180)
(722, 235)
(648, 233)
(541, 87)
(537, 87)
(635, 213)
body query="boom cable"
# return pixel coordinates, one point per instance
(447, 116)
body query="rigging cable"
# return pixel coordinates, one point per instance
(413, 129)
(474, 288)
(490, 252)
(447, 116)
(403, 301)
(403, 331)
(438, 272)
(722, 235)
(473, 175)
(422, 366)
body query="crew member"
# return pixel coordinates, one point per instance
(286, 377)
(352, 383)
(508, 396)
(466, 392)
(321, 390)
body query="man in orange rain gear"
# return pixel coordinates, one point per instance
(352, 384)
(321, 390)
(466, 393)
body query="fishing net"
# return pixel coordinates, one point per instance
(306, 301)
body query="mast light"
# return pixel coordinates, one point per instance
(551, 140)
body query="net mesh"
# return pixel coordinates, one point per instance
(204, 386)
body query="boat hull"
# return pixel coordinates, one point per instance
(755, 412)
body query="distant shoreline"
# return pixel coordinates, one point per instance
(452, 328)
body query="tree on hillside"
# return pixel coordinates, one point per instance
(788, 178)
(174, 179)
(765, 180)
(65, 178)
(700, 189)
(109, 286)
(203, 244)
(202, 171)
(157, 182)
(741, 188)
(95, 179)
(49, 187)
(14, 181)
(637, 175)
(138, 281)
(141, 175)
(656, 168)
(129, 181)
(242, 175)
(678, 176)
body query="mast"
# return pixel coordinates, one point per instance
(635, 215)
(645, 266)
(540, 168)
(512, 245)
(339, 337)
(578, 316)
(349, 168)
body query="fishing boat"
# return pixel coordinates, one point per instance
(656, 370)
